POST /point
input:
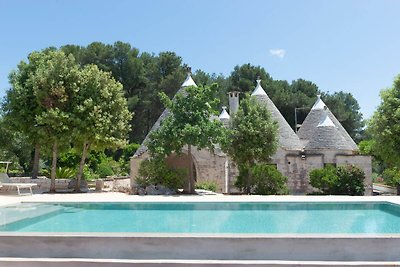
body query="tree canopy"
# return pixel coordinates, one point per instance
(143, 76)
(251, 138)
(100, 114)
(189, 124)
(385, 125)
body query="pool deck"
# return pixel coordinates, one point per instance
(121, 197)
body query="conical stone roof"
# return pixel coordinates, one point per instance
(327, 136)
(319, 112)
(143, 148)
(287, 138)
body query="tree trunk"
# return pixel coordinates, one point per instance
(189, 185)
(249, 180)
(398, 189)
(81, 166)
(35, 167)
(53, 169)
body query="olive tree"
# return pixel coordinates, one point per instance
(100, 114)
(188, 125)
(252, 138)
(54, 83)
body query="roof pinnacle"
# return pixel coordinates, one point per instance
(258, 90)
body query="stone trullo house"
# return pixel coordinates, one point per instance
(321, 140)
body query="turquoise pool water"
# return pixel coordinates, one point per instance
(202, 217)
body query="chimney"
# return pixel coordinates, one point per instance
(233, 102)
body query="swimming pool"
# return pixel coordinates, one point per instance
(214, 218)
(203, 231)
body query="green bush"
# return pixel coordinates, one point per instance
(342, 180)
(89, 174)
(324, 179)
(67, 173)
(207, 185)
(108, 167)
(129, 150)
(156, 172)
(62, 173)
(392, 177)
(262, 179)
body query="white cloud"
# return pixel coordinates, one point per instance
(277, 52)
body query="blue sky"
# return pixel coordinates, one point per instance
(349, 45)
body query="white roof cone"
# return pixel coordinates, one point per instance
(258, 90)
(224, 114)
(319, 104)
(189, 81)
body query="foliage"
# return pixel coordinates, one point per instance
(129, 150)
(342, 180)
(89, 174)
(143, 76)
(108, 167)
(298, 94)
(156, 172)
(265, 179)
(347, 110)
(14, 146)
(385, 126)
(188, 124)
(391, 176)
(100, 114)
(207, 185)
(62, 173)
(45, 86)
(252, 138)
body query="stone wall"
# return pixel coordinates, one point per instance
(295, 165)
(43, 184)
(208, 166)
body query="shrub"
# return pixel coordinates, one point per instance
(207, 185)
(108, 167)
(129, 150)
(343, 180)
(156, 172)
(62, 173)
(324, 179)
(392, 177)
(89, 174)
(66, 173)
(263, 179)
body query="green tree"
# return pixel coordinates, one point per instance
(252, 138)
(54, 83)
(187, 125)
(347, 110)
(100, 114)
(21, 106)
(243, 77)
(391, 177)
(14, 146)
(385, 126)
